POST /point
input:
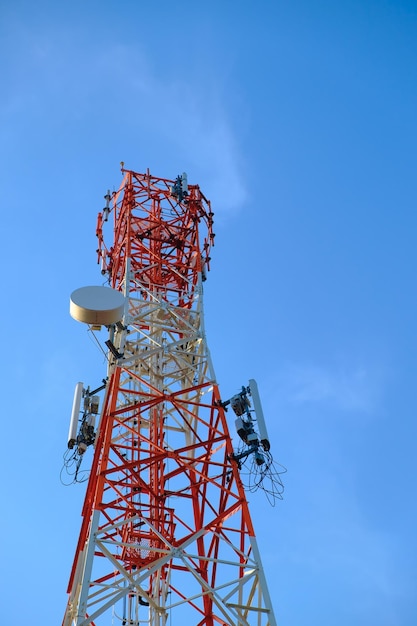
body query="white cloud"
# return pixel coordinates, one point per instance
(179, 119)
(347, 388)
(338, 546)
(189, 120)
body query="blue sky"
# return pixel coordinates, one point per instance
(297, 119)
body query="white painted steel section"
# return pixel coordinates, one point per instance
(262, 579)
(86, 574)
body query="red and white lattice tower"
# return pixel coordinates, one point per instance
(166, 535)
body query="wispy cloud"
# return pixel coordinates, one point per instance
(190, 120)
(347, 388)
(339, 544)
(179, 118)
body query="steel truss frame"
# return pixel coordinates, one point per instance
(166, 529)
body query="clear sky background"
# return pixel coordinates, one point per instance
(298, 121)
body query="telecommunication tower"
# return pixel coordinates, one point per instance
(166, 534)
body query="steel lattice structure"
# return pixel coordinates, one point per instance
(166, 536)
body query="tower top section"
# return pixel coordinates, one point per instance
(161, 241)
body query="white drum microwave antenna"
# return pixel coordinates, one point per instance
(97, 305)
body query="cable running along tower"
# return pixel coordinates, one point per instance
(166, 535)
